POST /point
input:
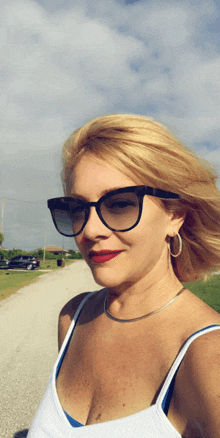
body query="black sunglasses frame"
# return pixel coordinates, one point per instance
(63, 204)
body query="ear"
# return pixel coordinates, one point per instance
(175, 223)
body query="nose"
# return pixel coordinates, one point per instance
(94, 227)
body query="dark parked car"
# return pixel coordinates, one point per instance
(4, 264)
(28, 262)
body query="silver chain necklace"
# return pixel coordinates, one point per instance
(140, 317)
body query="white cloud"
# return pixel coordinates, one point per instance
(63, 63)
(59, 67)
(62, 68)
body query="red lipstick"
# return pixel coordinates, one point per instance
(103, 256)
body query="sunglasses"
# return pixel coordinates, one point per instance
(119, 210)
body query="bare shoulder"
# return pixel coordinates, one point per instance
(66, 316)
(203, 358)
(197, 387)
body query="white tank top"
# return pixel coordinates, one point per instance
(50, 420)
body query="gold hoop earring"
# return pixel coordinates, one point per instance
(180, 248)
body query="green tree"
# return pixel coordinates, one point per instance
(78, 255)
(15, 252)
(3, 254)
(75, 254)
(1, 239)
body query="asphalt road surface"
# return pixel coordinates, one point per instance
(28, 342)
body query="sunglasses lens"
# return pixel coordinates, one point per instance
(120, 211)
(70, 219)
(63, 222)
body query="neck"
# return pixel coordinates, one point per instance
(143, 296)
(146, 315)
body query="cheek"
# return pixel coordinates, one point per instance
(154, 219)
(149, 236)
(153, 225)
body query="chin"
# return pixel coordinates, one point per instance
(106, 277)
(104, 281)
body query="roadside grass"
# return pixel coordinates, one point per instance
(11, 281)
(52, 264)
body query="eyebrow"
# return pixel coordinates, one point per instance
(104, 192)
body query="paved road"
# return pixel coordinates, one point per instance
(28, 343)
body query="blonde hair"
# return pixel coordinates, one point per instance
(152, 155)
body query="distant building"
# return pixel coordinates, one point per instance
(55, 250)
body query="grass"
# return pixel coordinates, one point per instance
(11, 281)
(208, 291)
(52, 264)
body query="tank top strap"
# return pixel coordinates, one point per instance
(69, 334)
(165, 394)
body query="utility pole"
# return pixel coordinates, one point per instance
(3, 208)
(45, 245)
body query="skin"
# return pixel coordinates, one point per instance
(139, 280)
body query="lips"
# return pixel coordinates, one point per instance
(103, 256)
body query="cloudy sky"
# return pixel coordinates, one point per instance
(66, 62)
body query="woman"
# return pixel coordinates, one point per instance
(140, 357)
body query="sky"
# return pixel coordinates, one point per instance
(64, 63)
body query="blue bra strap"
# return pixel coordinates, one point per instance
(73, 422)
(168, 396)
(169, 393)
